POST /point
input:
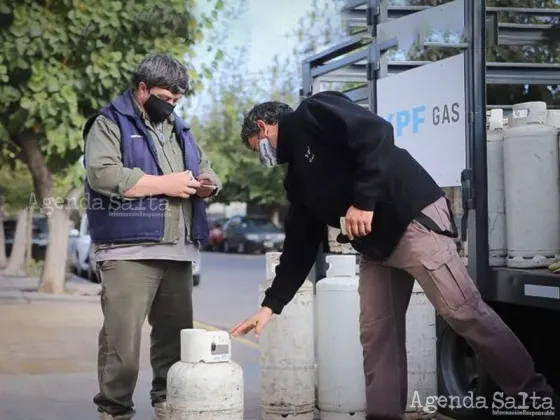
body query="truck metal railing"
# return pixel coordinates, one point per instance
(359, 17)
(496, 73)
(361, 65)
(363, 60)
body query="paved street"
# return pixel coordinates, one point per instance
(48, 351)
(228, 290)
(48, 344)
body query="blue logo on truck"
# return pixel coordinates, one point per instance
(411, 120)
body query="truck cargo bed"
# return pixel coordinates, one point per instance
(529, 287)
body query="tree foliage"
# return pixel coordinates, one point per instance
(61, 60)
(15, 187)
(217, 125)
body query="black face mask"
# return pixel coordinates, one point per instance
(157, 109)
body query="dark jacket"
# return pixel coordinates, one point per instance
(340, 155)
(112, 220)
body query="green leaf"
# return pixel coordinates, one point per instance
(27, 104)
(52, 85)
(35, 31)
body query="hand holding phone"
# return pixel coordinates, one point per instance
(207, 185)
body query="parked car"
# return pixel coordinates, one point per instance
(79, 245)
(39, 236)
(248, 234)
(216, 236)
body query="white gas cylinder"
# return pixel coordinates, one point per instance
(532, 181)
(206, 384)
(553, 118)
(497, 234)
(340, 372)
(287, 354)
(421, 353)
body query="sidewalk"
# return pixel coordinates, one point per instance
(49, 351)
(22, 289)
(48, 355)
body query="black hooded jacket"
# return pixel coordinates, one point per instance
(339, 154)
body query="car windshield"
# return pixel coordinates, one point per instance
(40, 226)
(9, 228)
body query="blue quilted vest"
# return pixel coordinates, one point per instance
(112, 220)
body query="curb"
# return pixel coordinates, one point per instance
(29, 297)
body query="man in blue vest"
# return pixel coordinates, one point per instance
(145, 188)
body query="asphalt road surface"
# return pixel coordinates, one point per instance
(228, 290)
(48, 348)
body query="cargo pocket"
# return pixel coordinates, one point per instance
(446, 282)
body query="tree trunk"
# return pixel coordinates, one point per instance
(29, 243)
(3, 259)
(16, 264)
(54, 270)
(33, 158)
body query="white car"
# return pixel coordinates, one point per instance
(78, 248)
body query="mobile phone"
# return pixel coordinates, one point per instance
(343, 226)
(208, 187)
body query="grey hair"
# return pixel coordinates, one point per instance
(163, 71)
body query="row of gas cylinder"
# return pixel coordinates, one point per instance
(524, 186)
(311, 357)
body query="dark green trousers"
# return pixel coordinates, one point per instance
(132, 291)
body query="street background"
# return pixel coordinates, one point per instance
(49, 343)
(48, 354)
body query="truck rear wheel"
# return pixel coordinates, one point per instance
(461, 379)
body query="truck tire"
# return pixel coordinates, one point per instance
(460, 375)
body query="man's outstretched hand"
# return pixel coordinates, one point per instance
(358, 222)
(256, 322)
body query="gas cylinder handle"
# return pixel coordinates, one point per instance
(341, 265)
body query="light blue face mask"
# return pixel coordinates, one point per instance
(267, 153)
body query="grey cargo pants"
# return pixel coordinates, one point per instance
(385, 290)
(160, 290)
